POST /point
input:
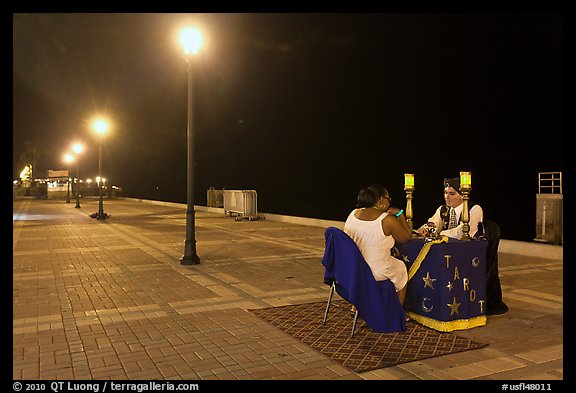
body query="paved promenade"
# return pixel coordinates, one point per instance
(98, 300)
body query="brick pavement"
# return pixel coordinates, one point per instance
(100, 300)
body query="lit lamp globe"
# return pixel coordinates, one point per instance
(78, 148)
(191, 41)
(408, 181)
(465, 180)
(100, 126)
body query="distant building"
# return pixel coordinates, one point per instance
(55, 186)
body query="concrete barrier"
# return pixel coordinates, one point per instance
(548, 251)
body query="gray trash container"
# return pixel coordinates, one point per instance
(549, 208)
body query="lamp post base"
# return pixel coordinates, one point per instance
(102, 216)
(190, 260)
(190, 257)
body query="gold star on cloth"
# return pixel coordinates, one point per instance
(428, 281)
(450, 286)
(454, 307)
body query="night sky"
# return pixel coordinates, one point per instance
(303, 108)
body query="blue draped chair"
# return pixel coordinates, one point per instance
(347, 273)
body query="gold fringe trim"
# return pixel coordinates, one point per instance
(422, 254)
(459, 324)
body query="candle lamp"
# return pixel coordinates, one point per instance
(465, 188)
(409, 188)
(465, 180)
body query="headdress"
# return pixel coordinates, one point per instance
(454, 183)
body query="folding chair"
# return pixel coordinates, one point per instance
(347, 273)
(329, 303)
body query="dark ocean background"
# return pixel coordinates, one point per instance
(304, 108)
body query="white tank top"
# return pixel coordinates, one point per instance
(373, 244)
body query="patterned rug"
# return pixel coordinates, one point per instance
(367, 350)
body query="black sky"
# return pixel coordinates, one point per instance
(304, 108)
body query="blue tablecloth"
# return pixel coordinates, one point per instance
(447, 283)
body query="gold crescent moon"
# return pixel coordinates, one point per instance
(426, 309)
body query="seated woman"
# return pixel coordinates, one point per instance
(375, 226)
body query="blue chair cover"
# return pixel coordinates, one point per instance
(376, 301)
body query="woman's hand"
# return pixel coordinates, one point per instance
(423, 231)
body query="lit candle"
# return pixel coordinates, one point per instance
(465, 180)
(408, 180)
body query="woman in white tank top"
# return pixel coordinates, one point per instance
(375, 226)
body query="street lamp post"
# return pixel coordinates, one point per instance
(78, 148)
(68, 188)
(191, 40)
(77, 188)
(100, 126)
(68, 158)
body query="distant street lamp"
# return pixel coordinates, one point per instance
(78, 148)
(191, 40)
(104, 186)
(100, 127)
(68, 158)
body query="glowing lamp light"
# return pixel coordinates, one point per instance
(78, 148)
(191, 40)
(100, 126)
(408, 180)
(465, 180)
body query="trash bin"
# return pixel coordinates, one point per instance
(549, 208)
(241, 202)
(215, 198)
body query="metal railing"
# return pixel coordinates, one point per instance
(550, 183)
